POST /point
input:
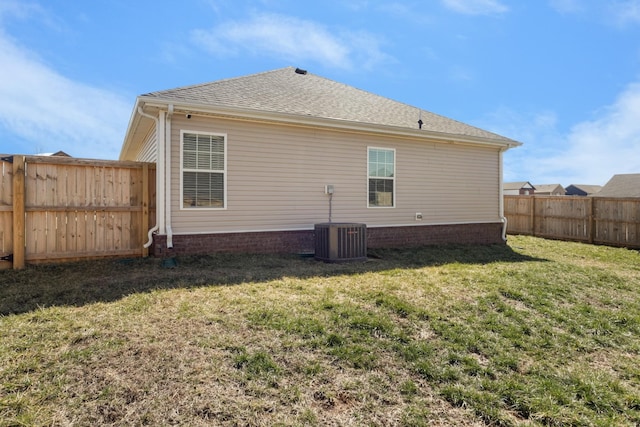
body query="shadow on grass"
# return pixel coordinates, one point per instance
(80, 283)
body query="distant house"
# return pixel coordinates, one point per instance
(624, 185)
(549, 190)
(252, 163)
(60, 154)
(518, 188)
(56, 154)
(582, 190)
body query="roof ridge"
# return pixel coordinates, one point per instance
(344, 85)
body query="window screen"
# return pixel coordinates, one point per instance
(203, 170)
(381, 174)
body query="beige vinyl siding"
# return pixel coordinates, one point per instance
(148, 150)
(276, 176)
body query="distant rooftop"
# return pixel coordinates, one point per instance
(56, 154)
(518, 185)
(549, 189)
(582, 189)
(624, 185)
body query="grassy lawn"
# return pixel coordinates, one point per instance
(533, 333)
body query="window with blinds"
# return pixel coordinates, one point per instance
(203, 170)
(381, 177)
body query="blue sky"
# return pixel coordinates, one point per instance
(561, 76)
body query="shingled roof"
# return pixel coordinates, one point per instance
(582, 189)
(291, 91)
(623, 185)
(518, 185)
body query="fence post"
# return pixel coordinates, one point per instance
(145, 209)
(592, 221)
(533, 215)
(18, 212)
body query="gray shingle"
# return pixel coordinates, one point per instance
(287, 92)
(623, 185)
(582, 189)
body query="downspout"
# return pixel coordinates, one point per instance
(503, 219)
(168, 179)
(162, 150)
(155, 227)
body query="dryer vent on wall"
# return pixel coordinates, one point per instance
(341, 242)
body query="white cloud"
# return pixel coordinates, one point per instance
(617, 13)
(25, 10)
(626, 12)
(567, 6)
(476, 7)
(12, 8)
(41, 110)
(292, 39)
(609, 144)
(589, 153)
(411, 12)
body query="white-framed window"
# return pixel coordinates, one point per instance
(203, 170)
(381, 177)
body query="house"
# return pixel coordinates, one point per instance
(623, 185)
(252, 163)
(523, 188)
(549, 190)
(56, 154)
(582, 190)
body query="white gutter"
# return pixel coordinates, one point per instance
(155, 227)
(295, 119)
(167, 177)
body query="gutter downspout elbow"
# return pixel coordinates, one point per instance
(150, 235)
(149, 116)
(504, 228)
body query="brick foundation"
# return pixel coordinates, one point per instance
(251, 242)
(303, 241)
(403, 237)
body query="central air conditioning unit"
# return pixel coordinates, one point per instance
(341, 242)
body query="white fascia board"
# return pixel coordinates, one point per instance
(294, 119)
(133, 126)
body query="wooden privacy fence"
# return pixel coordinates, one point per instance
(60, 208)
(599, 220)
